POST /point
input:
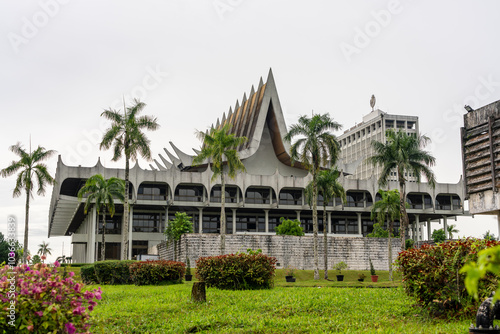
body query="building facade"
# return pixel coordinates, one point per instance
(270, 188)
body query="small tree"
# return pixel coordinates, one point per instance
(489, 236)
(451, 229)
(177, 227)
(289, 227)
(438, 235)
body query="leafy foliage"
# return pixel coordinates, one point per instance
(372, 268)
(88, 275)
(409, 243)
(378, 232)
(178, 226)
(45, 300)
(6, 247)
(289, 227)
(237, 271)
(157, 272)
(488, 262)
(340, 266)
(489, 236)
(438, 235)
(432, 275)
(113, 272)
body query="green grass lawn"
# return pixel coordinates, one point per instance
(168, 309)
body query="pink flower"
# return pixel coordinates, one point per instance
(39, 313)
(57, 264)
(30, 328)
(71, 274)
(70, 328)
(79, 310)
(43, 257)
(28, 258)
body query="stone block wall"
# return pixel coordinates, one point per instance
(289, 250)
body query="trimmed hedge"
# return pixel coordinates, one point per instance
(74, 265)
(237, 271)
(431, 275)
(113, 272)
(157, 272)
(87, 273)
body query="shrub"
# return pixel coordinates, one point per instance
(87, 273)
(45, 300)
(74, 265)
(438, 235)
(431, 275)
(378, 232)
(157, 272)
(237, 271)
(113, 272)
(289, 227)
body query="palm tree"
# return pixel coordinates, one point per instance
(126, 137)
(451, 229)
(329, 187)
(102, 192)
(44, 249)
(404, 153)
(219, 146)
(31, 171)
(387, 208)
(316, 146)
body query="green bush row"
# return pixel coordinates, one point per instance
(157, 272)
(431, 275)
(132, 272)
(237, 271)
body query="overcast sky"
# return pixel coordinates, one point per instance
(63, 62)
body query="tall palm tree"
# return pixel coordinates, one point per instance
(387, 208)
(102, 193)
(31, 171)
(127, 138)
(405, 154)
(315, 147)
(44, 249)
(329, 187)
(219, 146)
(451, 229)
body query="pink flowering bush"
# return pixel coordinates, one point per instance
(45, 301)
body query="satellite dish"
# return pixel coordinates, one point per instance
(372, 101)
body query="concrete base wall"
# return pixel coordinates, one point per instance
(288, 250)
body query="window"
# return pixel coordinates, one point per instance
(231, 194)
(151, 222)
(139, 247)
(152, 192)
(113, 224)
(258, 196)
(290, 197)
(189, 193)
(112, 251)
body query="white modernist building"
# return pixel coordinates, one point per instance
(271, 188)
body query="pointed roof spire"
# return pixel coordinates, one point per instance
(218, 123)
(244, 99)
(167, 163)
(252, 91)
(223, 118)
(261, 83)
(270, 78)
(237, 106)
(230, 113)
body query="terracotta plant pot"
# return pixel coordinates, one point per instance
(374, 278)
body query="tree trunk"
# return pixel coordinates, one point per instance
(126, 211)
(389, 251)
(223, 216)
(315, 226)
(403, 216)
(26, 223)
(103, 246)
(198, 293)
(325, 238)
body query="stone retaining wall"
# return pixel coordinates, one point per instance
(289, 250)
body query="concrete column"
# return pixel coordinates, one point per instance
(298, 215)
(360, 227)
(329, 215)
(417, 226)
(429, 232)
(266, 216)
(130, 229)
(92, 233)
(445, 226)
(234, 221)
(200, 219)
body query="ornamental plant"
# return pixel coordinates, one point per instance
(289, 227)
(45, 301)
(237, 271)
(431, 274)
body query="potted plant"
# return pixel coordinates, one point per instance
(372, 272)
(290, 274)
(339, 266)
(188, 275)
(361, 277)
